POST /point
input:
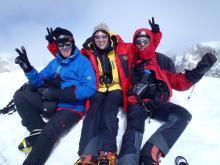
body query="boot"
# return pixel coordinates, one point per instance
(27, 143)
(152, 157)
(107, 158)
(180, 160)
(86, 160)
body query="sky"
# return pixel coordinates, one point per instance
(183, 23)
(199, 143)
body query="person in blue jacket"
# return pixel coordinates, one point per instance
(58, 92)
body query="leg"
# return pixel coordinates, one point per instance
(132, 138)
(89, 139)
(176, 119)
(109, 121)
(60, 123)
(29, 107)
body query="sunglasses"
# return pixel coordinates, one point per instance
(97, 37)
(143, 41)
(64, 45)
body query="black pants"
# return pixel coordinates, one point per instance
(176, 119)
(29, 107)
(100, 125)
(132, 138)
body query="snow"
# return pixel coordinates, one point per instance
(213, 44)
(199, 143)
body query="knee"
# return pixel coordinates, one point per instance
(18, 97)
(57, 126)
(184, 115)
(136, 121)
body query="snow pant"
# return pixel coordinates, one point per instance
(176, 119)
(29, 106)
(100, 123)
(132, 138)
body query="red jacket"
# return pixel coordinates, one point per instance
(177, 81)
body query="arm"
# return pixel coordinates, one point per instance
(85, 89)
(185, 81)
(36, 79)
(52, 47)
(157, 35)
(87, 86)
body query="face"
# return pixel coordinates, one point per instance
(65, 48)
(142, 42)
(101, 39)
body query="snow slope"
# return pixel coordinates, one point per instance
(199, 143)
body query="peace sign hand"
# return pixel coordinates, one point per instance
(154, 27)
(22, 59)
(50, 37)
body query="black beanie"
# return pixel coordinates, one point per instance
(63, 35)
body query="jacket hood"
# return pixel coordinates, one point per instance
(149, 52)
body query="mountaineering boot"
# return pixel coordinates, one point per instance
(86, 160)
(27, 143)
(107, 158)
(180, 160)
(152, 156)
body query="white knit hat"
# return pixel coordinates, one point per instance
(101, 27)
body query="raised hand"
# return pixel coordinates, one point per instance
(154, 27)
(207, 61)
(50, 37)
(22, 59)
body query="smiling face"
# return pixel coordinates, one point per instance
(101, 39)
(65, 48)
(142, 42)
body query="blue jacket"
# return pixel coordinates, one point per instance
(75, 70)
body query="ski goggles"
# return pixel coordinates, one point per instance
(66, 45)
(145, 41)
(63, 39)
(98, 37)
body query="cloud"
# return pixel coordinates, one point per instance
(183, 23)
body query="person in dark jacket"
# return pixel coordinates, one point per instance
(152, 85)
(58, 92)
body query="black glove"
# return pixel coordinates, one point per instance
(50, 37)
(207, 61)
(154, 27)
(140, 89)
(49, 107)
(22, 60)
(55, 94)
(87, 43)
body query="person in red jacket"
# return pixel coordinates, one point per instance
(151, 90)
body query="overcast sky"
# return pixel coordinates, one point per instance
(183, 22)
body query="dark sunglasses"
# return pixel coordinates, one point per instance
(97, 37)
(144, 41)
(64, 45)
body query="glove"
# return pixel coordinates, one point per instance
(207, 61)
(49, 108)
(22, 60)
(50, 37)
(55, 94)
(154, 27)
(87, 43)
(140, 89)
